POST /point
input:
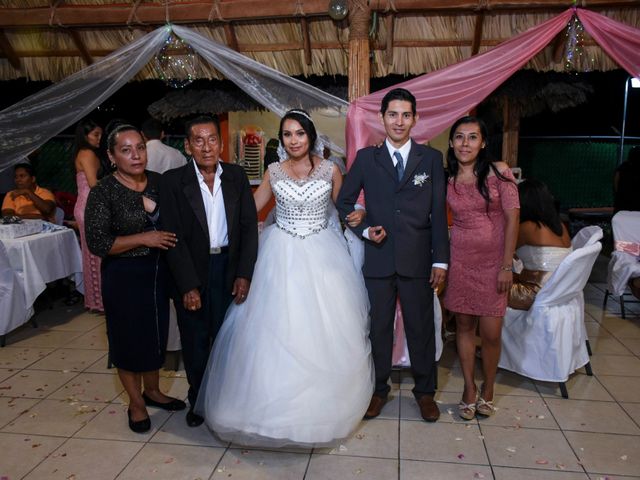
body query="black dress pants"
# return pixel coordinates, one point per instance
(198, 329)
(416, 301)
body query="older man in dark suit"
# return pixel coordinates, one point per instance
(406, 246)
(211, 209)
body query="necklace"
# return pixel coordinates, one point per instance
(294, 175)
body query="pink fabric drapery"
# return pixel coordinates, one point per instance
(445, 95)
(620, 41)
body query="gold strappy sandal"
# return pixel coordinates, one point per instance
(484, 407)
(467, 411)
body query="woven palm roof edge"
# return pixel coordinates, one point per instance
(421, 44)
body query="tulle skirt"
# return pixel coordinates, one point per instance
(292, 364)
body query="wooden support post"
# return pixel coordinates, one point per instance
(511, 132)
(359, 62)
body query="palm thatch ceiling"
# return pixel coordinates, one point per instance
(51, 39)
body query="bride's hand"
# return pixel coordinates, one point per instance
(355, 218)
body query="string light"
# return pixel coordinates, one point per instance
(176, 62)
(575, 51)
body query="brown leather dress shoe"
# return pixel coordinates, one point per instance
(375, 406)
(429, 408)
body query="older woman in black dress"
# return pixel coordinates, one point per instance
(120, 221)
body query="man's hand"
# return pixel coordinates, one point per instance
(356, 217)
(240, 290)
(377, 234)
(191, 300)
(438, 275)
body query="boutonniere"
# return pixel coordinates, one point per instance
(420, 178)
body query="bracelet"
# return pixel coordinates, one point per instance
(506, 269)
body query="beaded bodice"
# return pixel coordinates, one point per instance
(301, 204)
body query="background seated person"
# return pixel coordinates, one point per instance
(543, 242)
(28, 200)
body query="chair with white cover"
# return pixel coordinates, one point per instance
(59, 219)
(13, 306)
(625, 259)
(548, 341)
(587, 236)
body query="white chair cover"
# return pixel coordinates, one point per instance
(13, 310)
(586, 236)
(548, 342)
(59, 216)
(623, 265)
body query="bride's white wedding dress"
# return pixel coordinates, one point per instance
(292, 364)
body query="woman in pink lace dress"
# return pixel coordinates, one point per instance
(88, 134)
(483, 198)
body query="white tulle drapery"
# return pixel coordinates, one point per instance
(269, 87)
(29, 123)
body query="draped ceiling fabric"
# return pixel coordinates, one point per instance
(447, 94)
(442, 96)
(28, 124)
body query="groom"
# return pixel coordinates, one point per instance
(406, 246)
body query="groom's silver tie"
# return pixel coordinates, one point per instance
(399, 164)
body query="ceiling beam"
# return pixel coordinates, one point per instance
(230, 35)
(187, 11)
(306, 40)
(9, 53)
(82, 48)
(276, 47)
(477, 34)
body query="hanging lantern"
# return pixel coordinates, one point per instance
(338, 9)
(176, 62)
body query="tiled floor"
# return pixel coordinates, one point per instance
(63, 416)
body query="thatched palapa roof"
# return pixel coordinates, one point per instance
(51, 39)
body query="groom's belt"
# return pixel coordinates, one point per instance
(218, 250)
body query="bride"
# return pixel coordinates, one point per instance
(292, 364)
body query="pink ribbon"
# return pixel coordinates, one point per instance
(627, 247)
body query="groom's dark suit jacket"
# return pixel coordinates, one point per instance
(412, 211)
(182, 212)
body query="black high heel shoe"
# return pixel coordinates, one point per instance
(141, 426)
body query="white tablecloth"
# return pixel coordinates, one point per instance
(40, 259)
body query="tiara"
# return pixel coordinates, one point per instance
(300, 112)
